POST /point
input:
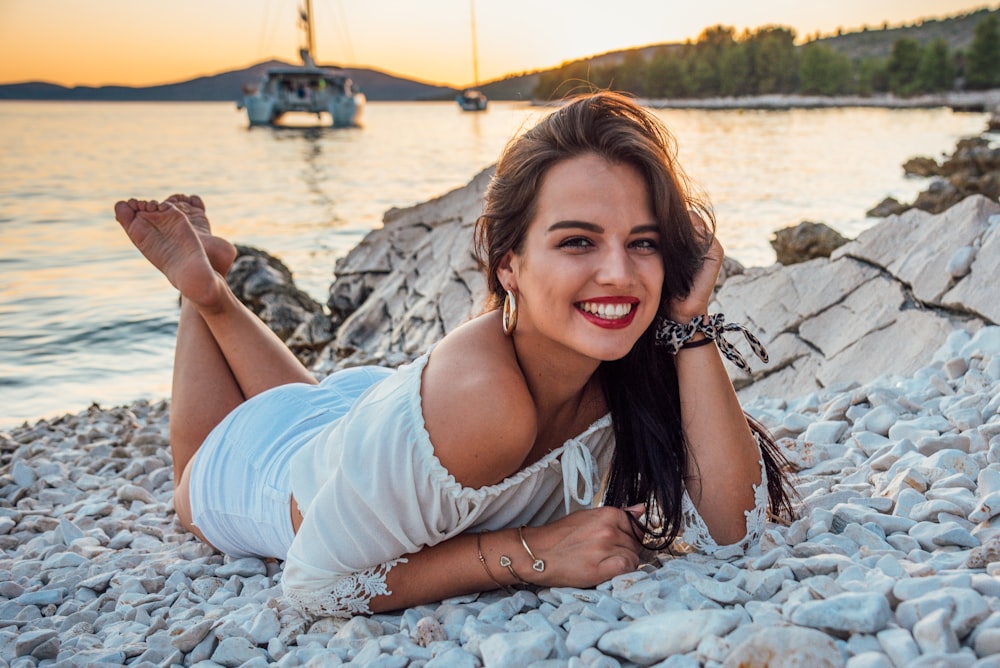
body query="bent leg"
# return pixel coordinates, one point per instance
(224, 353)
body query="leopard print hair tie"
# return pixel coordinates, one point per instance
(673, 336)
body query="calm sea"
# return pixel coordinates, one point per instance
(85, 319)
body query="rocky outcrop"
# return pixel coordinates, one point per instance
(890, 206)
(973, 169)
(806, 241)
(881, 304)
(265, 284)
(921, 166)
(410, 282)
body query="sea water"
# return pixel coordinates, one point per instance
(84, 319)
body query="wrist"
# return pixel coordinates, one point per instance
(685, 317)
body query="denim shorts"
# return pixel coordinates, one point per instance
(239, 487)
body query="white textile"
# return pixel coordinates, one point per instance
(371, 489)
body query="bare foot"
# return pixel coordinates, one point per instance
(165, 236)
(220, 252)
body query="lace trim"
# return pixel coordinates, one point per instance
(349, 595)
(696, 535)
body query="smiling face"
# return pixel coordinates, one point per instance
(589, 273)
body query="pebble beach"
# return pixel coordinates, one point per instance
(893, 561)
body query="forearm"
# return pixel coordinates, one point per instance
(582, 549)
(724, 461)
(453, 568)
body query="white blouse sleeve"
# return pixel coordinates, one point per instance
(378, 504)
(345, 597)
(695, 534)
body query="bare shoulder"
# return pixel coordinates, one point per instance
(479, 414)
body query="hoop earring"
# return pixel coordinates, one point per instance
(509, 312)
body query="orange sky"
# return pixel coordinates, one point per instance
(143, 42)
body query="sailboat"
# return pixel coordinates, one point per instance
(472, 99)
(308, 88)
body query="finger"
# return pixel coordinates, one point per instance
(618, 564)
(637, 510)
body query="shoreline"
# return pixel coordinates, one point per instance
(986, 101)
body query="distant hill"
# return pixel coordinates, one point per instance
(377, 86)
(868, 42)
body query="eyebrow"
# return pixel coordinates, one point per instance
(597, 229)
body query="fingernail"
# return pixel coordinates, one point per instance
(637, 508)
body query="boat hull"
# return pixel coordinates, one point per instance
(472, 100)
(304, 90)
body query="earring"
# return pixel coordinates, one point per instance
(509, 312)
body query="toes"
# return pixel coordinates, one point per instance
(125, 211)
(197, 201)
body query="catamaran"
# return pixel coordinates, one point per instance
(326, 91)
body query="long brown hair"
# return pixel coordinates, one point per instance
(651, 452)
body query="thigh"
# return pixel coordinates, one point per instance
(182, 504)
(235, 492)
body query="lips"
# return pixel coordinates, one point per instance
(609, 312)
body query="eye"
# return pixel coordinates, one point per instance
(646, 245)
(574, 243)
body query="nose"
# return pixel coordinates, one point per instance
(616, 268)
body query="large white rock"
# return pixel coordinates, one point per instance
(916, 246)
(882, 304)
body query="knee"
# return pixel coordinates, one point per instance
(182, 498)
(182, 505)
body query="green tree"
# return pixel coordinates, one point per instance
(823, 71)
(667, 74)
(904, 61)
(873, 76)
(774, 63)
(936, 71)
(734, 70)
(982, 62)
(567, 79)
(705, 74)
(630, 76)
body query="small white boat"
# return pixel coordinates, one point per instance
(307, 88)
(472, 99)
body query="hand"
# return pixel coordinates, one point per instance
(586, 548)
(683, 310)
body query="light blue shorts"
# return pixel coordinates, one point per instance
(239, 487)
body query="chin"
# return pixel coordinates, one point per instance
(612, 355)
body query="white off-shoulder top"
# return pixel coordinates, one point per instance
(371, 491)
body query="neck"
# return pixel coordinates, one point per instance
(559, 381)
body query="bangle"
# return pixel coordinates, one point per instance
(509, 565)
(537, 564)
(697, 344)
(486, 567)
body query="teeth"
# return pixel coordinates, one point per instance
(607, 311)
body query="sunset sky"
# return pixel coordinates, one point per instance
(144, 42)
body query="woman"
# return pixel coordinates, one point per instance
(479, 465)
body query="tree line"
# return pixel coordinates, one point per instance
(767, 61)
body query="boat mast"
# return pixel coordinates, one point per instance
(306, 16)
(475, 50)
